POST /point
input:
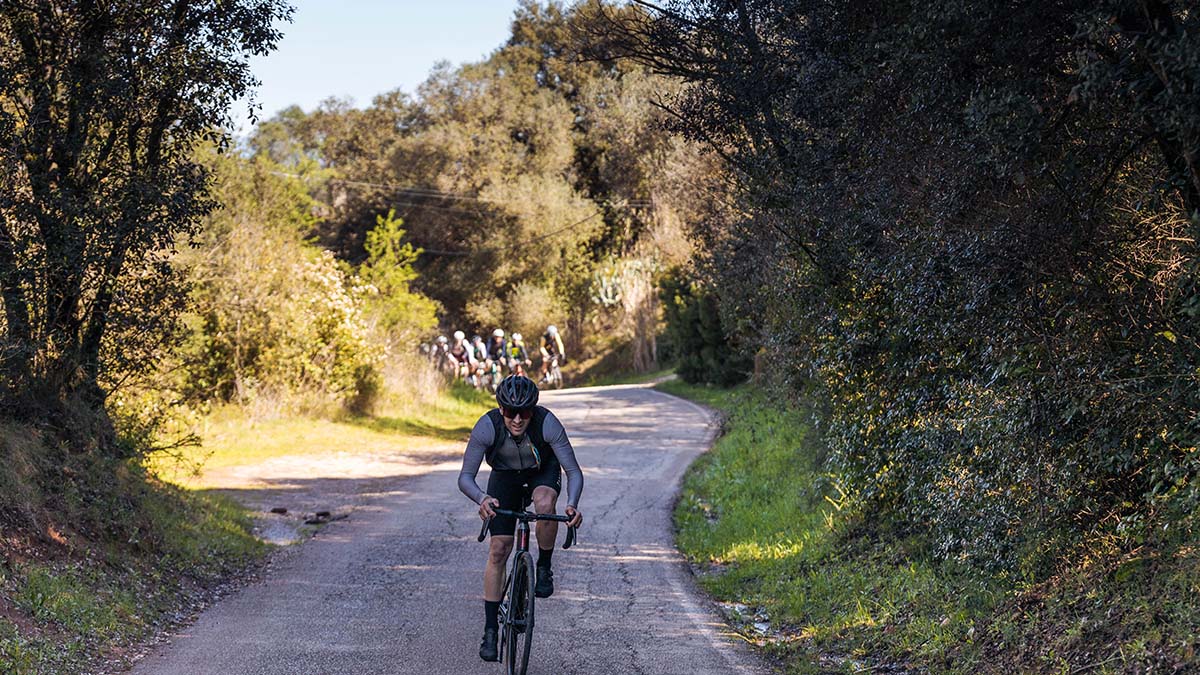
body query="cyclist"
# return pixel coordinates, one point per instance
(497, 347)
(461, 351)
(525, 445)
(518, 356)
(478, 348)
(480, 371)
(439, 356)
(551, 347)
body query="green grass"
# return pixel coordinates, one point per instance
(81, 599)
(709, 395)
(230, 437)
(768, 529)
(627, 378)
(110, 552)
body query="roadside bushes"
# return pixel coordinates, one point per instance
(270, 315)
(969, 232)
(698, 334)
(274, 320)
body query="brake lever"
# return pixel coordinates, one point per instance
(572, 537)
(483, 531)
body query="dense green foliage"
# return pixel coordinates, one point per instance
(272, 314)
(539, 185)
(699, 335)
(841, 591)
(100, 106)
(402, 314)
(970, 233)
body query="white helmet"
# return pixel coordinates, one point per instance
(442, 339)
(498, 333)
(459, 336)
(516, 337)
(553, 330)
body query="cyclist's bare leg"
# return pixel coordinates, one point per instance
(493, 574)
(545, 500)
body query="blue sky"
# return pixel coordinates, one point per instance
(360, 48)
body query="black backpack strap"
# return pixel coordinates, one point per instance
(499, 434)
(537, 434)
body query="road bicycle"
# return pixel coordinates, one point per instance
(493, 375)
(553, 376)
(517, 366)
(516, 603)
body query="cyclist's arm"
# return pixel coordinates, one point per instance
(481, 439)
(556, 436)
(558, 341)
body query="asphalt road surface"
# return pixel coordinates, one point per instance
(396, 587)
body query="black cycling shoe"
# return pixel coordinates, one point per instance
(544, 587)
(487, 649)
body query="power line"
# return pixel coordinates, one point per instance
(414, 191)
(510, 247)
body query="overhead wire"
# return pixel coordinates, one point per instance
(415, 191)
(510, 247)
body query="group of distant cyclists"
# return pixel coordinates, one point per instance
(485, 363)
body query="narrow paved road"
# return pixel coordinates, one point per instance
(396, 587)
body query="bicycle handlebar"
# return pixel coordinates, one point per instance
(572, 531)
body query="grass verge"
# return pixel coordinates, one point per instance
(828, 590)
(232, 438)
(101, 555)
(628, 378)
(98, 554)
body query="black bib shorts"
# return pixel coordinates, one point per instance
(514, 490)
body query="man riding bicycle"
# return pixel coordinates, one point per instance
(518, 356)
(462, 353)
(440, 357)
(551, 348)
(497, 347)
(525, 445)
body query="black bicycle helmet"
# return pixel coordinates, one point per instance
(517, 392)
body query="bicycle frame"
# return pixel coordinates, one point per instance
(512, 625)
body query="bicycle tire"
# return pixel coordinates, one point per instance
(505, 624)
(520, 632)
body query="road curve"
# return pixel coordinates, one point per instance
(396, 587)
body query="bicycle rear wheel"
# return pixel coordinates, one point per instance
(520, 605)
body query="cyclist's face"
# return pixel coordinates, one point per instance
(516, 425)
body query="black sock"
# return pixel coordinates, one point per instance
(490, 612)
(544, 556)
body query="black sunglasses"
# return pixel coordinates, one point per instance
(523, 413)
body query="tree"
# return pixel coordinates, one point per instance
(405, 316)
(970, 228)
(520, 176)
(100, 107)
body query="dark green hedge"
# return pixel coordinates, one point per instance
(698, 336)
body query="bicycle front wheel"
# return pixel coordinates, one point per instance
(520, 604)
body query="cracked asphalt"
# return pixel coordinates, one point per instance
(396, 587)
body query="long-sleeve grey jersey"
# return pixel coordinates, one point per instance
(484, 434)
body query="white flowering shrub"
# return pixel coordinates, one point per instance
(272, 316)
